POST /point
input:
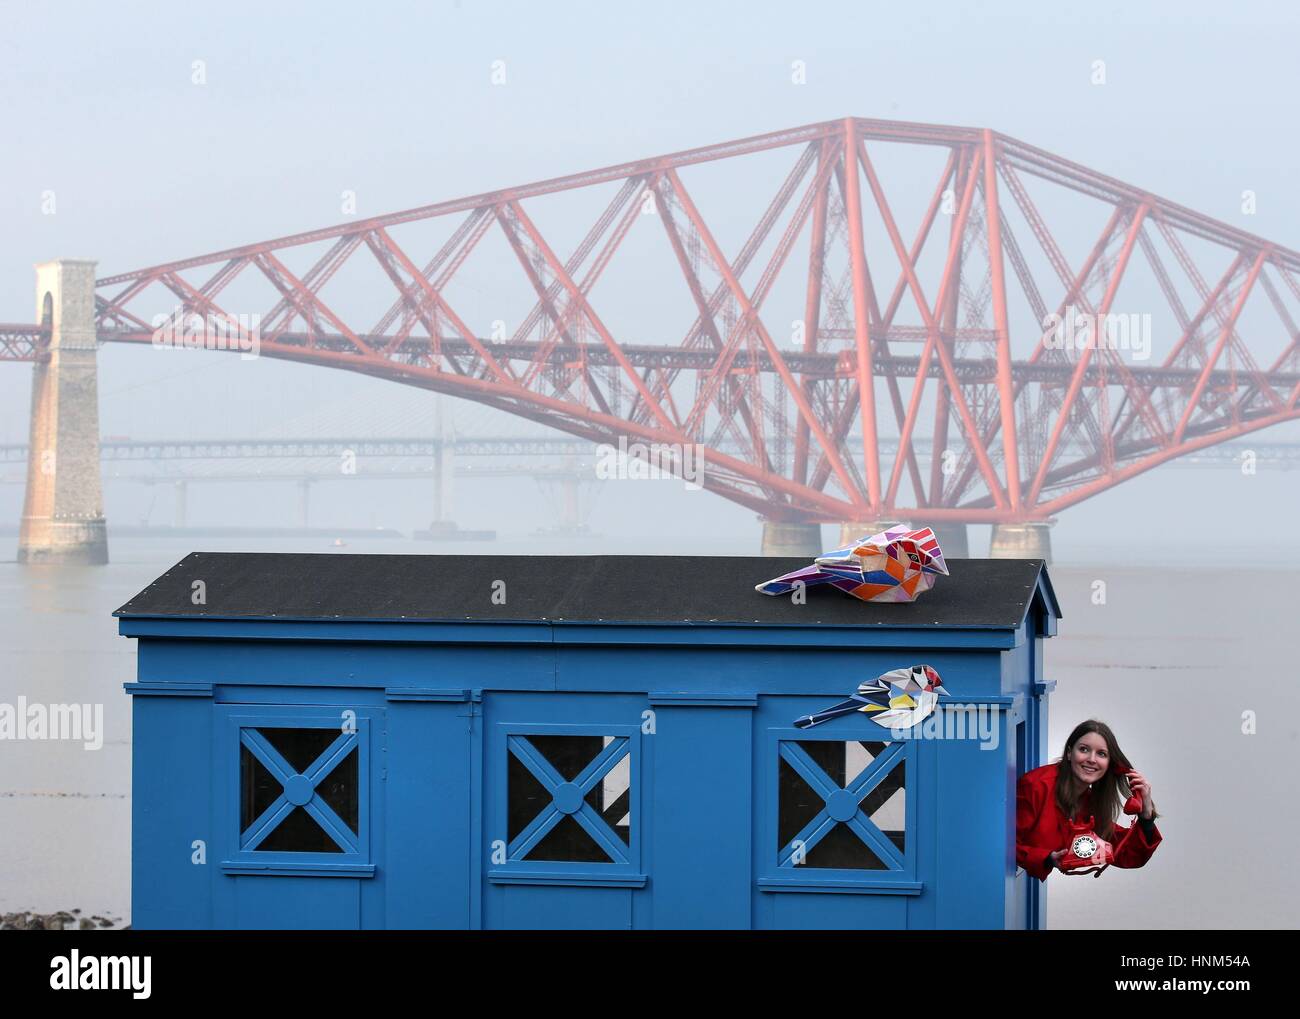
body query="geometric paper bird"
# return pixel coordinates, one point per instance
(897, 700)
(895, 565)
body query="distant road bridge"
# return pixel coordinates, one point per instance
(317, 459)
(1278, 455)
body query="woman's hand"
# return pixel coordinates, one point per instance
(1141, 787)
(1056, 859)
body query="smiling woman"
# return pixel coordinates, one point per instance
(1065, 812)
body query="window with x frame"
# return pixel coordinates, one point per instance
(301, 789)
(570, 797)
(841, 805)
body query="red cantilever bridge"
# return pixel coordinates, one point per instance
(788, 302)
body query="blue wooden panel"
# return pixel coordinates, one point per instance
(274, 694)
(336, 633)
(429, 815)
(297, 903)
(702, 828)
(923, 911)
(832, 673)
(171, 808)
(535, 907)
(1018, 671)
(970, 840)
(795, 911)
(290, 663)
(1038, 754)
(694, 635)
(698, 636)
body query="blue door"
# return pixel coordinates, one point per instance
(564, 783)
(298, 800)
(835, 828)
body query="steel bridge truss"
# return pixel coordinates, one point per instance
(934, 370)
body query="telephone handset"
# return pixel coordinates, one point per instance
(1133, 805)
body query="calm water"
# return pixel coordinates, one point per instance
(1171, 660)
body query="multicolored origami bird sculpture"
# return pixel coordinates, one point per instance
(895, 565)
(897, 700)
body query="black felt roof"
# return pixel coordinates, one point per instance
(982, 593)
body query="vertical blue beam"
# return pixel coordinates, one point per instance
(171, 808)
(970, 860)
(429, 789)
(702, 800)
(1039, 689)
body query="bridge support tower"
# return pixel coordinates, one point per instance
(952, 537)
(63, 510)
(852, 530)
(784, 538)
(954, 540)
(1022, 541)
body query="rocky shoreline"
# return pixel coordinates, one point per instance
(63, 920)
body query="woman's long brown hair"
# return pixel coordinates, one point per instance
(1108, 793)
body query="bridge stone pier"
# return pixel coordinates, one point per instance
(1021, 541)
(852, 530)
(952, 537)
(63, 514)
(785, 538)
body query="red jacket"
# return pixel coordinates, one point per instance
(1042, 829)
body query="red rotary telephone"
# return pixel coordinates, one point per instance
(1087, 852)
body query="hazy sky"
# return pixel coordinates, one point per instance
(396, 102)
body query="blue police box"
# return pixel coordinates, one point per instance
(425, 741)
